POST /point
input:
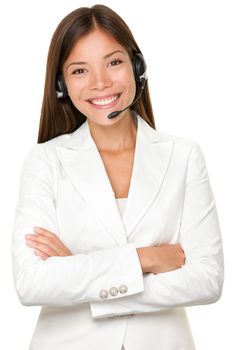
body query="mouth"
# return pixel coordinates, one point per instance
(105, 101)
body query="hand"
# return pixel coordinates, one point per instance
(46, 244)
(163, 258)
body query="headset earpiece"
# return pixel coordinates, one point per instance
(139, 66)
(61, 89)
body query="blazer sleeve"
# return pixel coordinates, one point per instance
(200, 280)
(63, 281)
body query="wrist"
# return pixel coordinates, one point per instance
(146, 259)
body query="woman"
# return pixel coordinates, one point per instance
(116, 229)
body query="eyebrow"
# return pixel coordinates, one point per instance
(106, 56)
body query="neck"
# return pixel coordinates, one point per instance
(114, 138)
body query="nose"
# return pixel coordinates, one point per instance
(99, 80)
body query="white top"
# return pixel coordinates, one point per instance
(121, 205)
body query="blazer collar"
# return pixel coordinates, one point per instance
(81, 138)
(85, 168)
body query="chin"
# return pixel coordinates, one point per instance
(103, 120)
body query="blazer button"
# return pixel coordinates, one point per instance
(113, 291)
(103, 294)
(123, 289)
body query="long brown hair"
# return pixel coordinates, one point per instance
(59, 116)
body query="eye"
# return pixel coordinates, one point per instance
(115, 62)
(79, 71)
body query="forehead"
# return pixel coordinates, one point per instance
(95, 43)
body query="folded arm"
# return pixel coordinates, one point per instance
(62, 280)
(200, 280)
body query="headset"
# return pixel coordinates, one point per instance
(140, 74)
(140, 69)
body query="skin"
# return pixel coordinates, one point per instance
(89, 77)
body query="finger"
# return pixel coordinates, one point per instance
(42, 247)
(41, 254)
(34, 239)
(43, 231)
(49, 238)
(53, 240)
(54, 243)
(45, 239)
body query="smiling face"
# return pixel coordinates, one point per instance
(99, 77)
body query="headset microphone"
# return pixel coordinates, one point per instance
(116, 113)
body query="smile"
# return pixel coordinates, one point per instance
(104, 101)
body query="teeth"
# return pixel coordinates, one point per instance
(104, 101)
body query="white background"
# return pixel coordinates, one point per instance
(188, 46)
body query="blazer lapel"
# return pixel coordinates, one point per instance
(151, 160)
(84, 166)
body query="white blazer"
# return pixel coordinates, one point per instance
(64, 188)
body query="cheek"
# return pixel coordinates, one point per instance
(131, 80)
(131, 85)
(75, 91)
(75, 87)
(126, 79)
